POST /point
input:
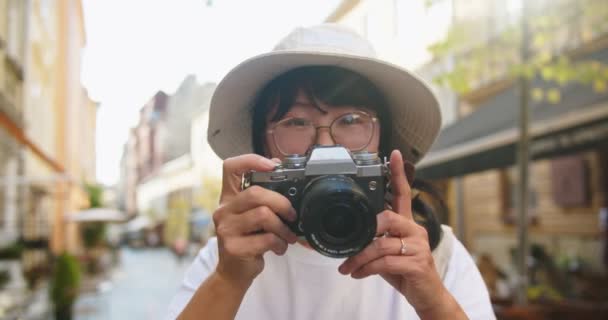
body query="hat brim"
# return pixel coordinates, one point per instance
(414, 109)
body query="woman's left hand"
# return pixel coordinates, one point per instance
(411, 271)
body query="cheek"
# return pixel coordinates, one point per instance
(374, 145)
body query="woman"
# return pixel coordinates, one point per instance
(318, 83)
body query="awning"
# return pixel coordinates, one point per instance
(139, 223)
(487, 138)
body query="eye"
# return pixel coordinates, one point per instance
(350, 119)
(296, 122)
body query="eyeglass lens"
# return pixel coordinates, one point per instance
(296, 135)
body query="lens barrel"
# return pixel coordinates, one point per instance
(336, 216)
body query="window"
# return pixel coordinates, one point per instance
(509, 184)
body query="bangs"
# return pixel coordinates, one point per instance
(333, 86)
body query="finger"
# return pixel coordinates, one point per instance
(409, 266)
(396, 225)
(255, 245)
(391, 265)
(234, 168)
(261, 219)
(383, 246)
(389, 222)
(257, 196)
(402, 199)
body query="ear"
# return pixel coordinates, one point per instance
(410, 172)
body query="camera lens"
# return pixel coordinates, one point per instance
(339, 222)
(336, 216)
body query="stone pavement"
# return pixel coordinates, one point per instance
(140, 288)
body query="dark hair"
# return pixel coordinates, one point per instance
(333, 86)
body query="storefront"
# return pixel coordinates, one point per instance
(474, 162)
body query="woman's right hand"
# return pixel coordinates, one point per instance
(247, 222)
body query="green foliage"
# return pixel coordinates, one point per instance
(543, 293)
(5, 277)
(11, 252)
(64, 285)
(93, 234)
(553, 31)
(95, 193)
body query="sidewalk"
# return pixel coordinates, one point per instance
(140, 287)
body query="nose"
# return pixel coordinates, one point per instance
(324, 137)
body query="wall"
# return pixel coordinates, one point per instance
(563, 231)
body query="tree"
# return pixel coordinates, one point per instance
(64, 285)
(555, 32)
(93, 233)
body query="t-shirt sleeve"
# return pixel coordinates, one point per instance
(202, 266)
(465, 283)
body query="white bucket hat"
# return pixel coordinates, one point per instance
(413, 107)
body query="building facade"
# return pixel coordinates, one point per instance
(394, 29)
(13, 29)
(168, 175)
(474, 159)
(567, 172)
(47, 121)
(75, 115)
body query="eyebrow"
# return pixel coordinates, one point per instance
(309, 104)
(302, 103)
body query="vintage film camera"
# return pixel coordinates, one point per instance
(336, 194)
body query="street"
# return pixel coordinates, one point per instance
(141, 287)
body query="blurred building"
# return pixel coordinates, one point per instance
(569, 141)
(185, 104)
(75, 116)
(168, 172)
(206, 163)
(401, 31)
(150, 149)
(473, 159)
(144, 151)
(13, 22)
(38, 194)
(47, 122)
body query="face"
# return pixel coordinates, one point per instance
(305, 125)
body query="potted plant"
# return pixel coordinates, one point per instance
(64, 286)
(11, 252)
(10, 265)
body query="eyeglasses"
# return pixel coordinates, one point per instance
(353, 130)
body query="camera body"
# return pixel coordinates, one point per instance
(336, 194)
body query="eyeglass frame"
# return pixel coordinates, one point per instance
(373, 118)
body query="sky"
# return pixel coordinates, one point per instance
(137, 47)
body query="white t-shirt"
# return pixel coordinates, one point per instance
(305, 285)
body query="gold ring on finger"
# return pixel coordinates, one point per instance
(403, 247)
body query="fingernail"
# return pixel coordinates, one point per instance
(342, 269)
(268, 162)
